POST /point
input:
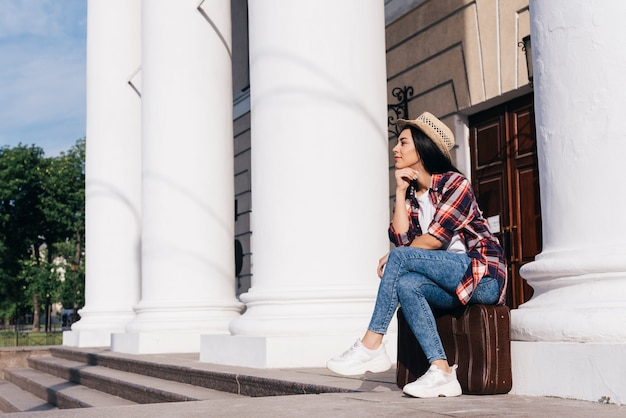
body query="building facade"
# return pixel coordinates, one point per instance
(297, 101)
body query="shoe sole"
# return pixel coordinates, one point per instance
(374, 367)
(448, 390)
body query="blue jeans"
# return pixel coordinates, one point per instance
(421, 280)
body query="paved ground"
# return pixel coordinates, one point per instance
(379, 397)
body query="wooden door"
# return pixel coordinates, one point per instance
(506, 181)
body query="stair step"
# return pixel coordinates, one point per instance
(15, 399)
(160, 368)
(60, 392)
(185, 368)
(135, 387)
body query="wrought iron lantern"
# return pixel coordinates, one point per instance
(526, 47)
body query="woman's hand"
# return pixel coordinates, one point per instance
(404, 177)
(381, 265)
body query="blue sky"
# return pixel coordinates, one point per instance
(42, 73)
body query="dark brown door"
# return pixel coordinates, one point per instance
(506, 181)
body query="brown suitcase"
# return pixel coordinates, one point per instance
(476, 338)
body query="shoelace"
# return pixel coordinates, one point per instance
(431, 375)
(349, 351)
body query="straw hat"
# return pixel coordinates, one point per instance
(435, 129)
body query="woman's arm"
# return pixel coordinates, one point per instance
(427, 242)
(401, 224)
(455, 209)
(400, 219)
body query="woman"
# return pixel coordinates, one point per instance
(445, 257)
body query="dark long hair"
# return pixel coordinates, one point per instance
(435, 161)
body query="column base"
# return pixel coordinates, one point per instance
(91, 338)
(584, 308)
(305, 311)
(585, 371)
(576, 323)
(202, 317)
(156, 342)
(96, 326)
(279, 352)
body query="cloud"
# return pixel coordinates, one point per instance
(42, 73)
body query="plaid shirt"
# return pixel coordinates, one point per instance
(456, 210)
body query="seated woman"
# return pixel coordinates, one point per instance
(445, 257)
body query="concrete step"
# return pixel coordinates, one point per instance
(147, 366)
(187, 369)
(59, 392)
(135, 387)
(15, 399)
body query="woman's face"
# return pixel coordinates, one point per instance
(404, 153)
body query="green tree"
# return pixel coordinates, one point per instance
(63, 201)
(41, 281)
(21, 217)
(72, 286)
(42, 224)
(63, 205)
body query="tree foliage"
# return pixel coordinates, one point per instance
(42, 224)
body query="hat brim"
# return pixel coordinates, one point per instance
(401, 124)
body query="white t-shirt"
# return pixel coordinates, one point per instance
(426, 215)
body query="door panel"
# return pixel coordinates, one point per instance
(490, 198)
(506, 182)
(488, 145)
(529, 214)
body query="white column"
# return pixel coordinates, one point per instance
(113, 173)
(188, 278)
(319, 182)
(572, 333)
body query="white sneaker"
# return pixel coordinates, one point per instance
(434, 383)
(358, 359)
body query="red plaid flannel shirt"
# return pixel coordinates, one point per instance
(456, 210)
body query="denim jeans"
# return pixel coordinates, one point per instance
(421, 280)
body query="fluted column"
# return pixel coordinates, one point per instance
(113, 173)
(319, 181)
(575, 324)
(188, 279)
